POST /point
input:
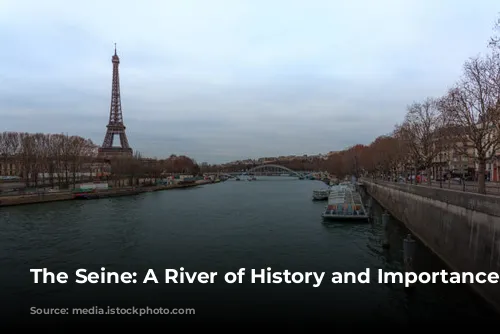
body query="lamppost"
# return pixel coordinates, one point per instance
(440, 170)
(463, 177)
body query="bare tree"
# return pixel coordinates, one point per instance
(388, 155)
(473, 108)
(39, 157)
(56, 161)
(421, 131)
(136, 168)
(77, 156)
(45, 153)
(9, 147)
(27, 153)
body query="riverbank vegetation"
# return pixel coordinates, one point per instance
(63, 160)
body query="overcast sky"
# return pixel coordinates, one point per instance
(222, 80)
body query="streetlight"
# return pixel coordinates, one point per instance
(463, 176)
(440, 170)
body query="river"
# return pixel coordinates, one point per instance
(223, 227)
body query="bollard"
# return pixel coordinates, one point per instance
(409, 247)
(385, 232)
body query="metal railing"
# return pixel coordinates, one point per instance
(492, 188)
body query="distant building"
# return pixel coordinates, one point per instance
(10, 166)
(456, 156)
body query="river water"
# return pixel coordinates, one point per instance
(223, 227)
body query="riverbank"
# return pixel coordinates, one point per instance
(68, 195)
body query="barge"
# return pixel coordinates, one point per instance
(345, 204)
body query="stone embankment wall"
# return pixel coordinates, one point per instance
(67, 195)
(462, 228)
(31, 199)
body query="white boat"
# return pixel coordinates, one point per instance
(344, 204)
(321, 194)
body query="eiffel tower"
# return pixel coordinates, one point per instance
(115, 125)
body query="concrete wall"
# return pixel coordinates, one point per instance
(31, 199)
(463, 229)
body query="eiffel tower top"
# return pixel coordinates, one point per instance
(115, 58)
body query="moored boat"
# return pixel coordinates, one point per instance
(321, 194)
(345, 204)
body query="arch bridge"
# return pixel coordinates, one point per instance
(272, 169)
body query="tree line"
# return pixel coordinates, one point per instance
(64, 160)
(35, 155)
